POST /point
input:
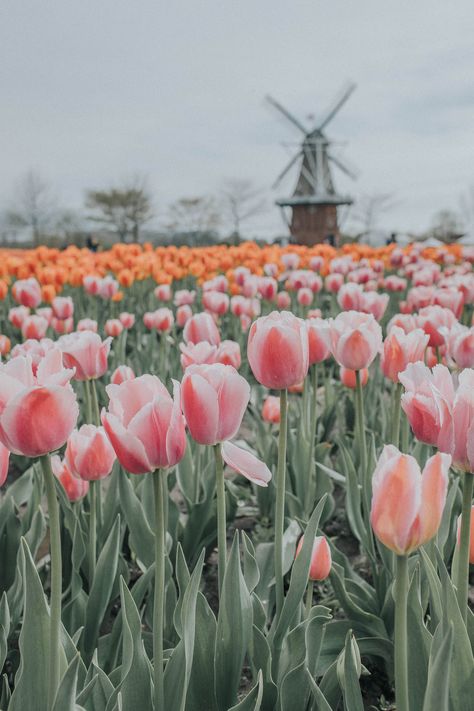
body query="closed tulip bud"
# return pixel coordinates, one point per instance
(202, 353)
(4, 463)
(108, 288)
(86, 352)
(38, 413)
(471, 539)
(228, 353)
(278, 350)
(316, 263)
(407, 505)
(283, 300)
(63, 307)
(113, 327)
(290, 260)
(304, 296)
(163, 292)
(436, 321)
(163, 319)
(27, 292)
(214, 399)
(5, 345)
(91, 285)
(89, 454)
(400, 348)
(121, 374)
(34, 327)
(127, 320)
(355, 339)
(145, 424)
(349, 377)
(267, 288)
(183, 297)
(87, 324)
(271, 409)
(245, 322)
(318, 339)
(333, 282)
(216, 302)
(62, 326)
(201, 327)
(321, 560)
(183, 314)
(75, 488)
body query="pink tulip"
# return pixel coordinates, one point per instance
(314, 313)
(406, 322)
(63, 307)
(321, 559)
(471, 539)
(75, 488)
(202, 353)
(450, 298)
(318, 339)
(108, 287)
(17, 315)
(163, 320)
(37, 413)
(434, 320)
(86, 352)
(271, 409)
(395, 283)
(127, 320)
(163, 292)
(246, 464)
(349, 296)
(460, 345)
(283, 300)
(149, 320)
(214, 399)
(219, 283)
(240, 274)
(121, 374)
(228, 353)
(91, 285)
(316, 263)
(145, 424)
(183, 314)
(304, 296)
(278, 350)
(201, 327)
(87, 324)
(400, 348)
(349, 377)
(4, 463)
(89, 454)
(354, 339)
(267, 288)
(216, 302)
(46, 312)
(113, 327)
(333, 282)
(290, 260)
(27, 292)
(245, 323)
(407, 505)
(183, 297)
(62, 326)
(34, 327)
(36, 350)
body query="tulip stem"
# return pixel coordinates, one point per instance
(56, 579)
(95, 401)
(462, 577)
(87, 393)
(401, 662)
(280, 501)
(159, 599)
(312, 461)
(397, 393)
(362, 443)
(92, 529)
(309, 598)
(221, 516)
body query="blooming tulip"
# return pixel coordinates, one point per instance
(460, 345)
(304, 296)
(354, 339)
(228, 353)
(197, 354)
(320, 558)
(201, 327)
(121, 374)
(145, 424)
(400, 348)
(434, 320)
(317, 329)
(75, 488)
(183, 297)
(27, 292)
(127, 320)
(163, 292)
(89, 454)
(278, 350)
(216, 302)
(62, 326)
(86, 352)
(34, 327)
(63, 307)
(183, 314)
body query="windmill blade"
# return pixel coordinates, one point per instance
(285, 170)
(286, 113)
(338, 103)
(348, 170)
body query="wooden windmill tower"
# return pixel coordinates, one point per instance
(314, 201)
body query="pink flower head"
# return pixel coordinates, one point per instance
(271, 409)
(86, 352)
(37, 412)
(433, 320)
(34, 327)
(318, 339)
(214, 399)
(228, 353)
(460, 345)
(17, 315)
(4, 463)
(87, 324)
(216, 302)
(333, 282)
(113, 327)
(283, 300)
(27, 292)
(267, 288)
(278, 350)
(121, 374)
(304, 296)
(62, 326)
(450, 298)
(321, 559)
(349, 377)
(163, 292)
(75, 488)
(89, 454)
(92, 284)
(183, 314)
(108, 287)
(184, 296)
(145, 424)
(355, 339)
(400, 348)
(290, 260)
(202, 353)
(407, 505)
(36, 350)
(63, 307)
(201, 327)
(127, 320)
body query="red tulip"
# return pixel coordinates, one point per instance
(278, 350)
(145, 424)
(407, 505)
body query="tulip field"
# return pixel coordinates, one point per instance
(237, 478)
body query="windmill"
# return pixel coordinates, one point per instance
(314, 201)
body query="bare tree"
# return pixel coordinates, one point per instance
(241, 200)
(446, 226)
(466, 204)
(125, 210)
(34, 205)
(193, 215)
(368, 210)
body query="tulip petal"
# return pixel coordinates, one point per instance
(128, 448)
(434, 485)
(246, 464)
(201, 408)
(176, 435)
(233, 398)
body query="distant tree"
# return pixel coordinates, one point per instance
(241, 200)
(368, 210)
(466, 204)
(68, 224)
(125, 210)
(446, 226)
(196, 216)
(34, 206)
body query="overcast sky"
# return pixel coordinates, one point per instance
(97, 90)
